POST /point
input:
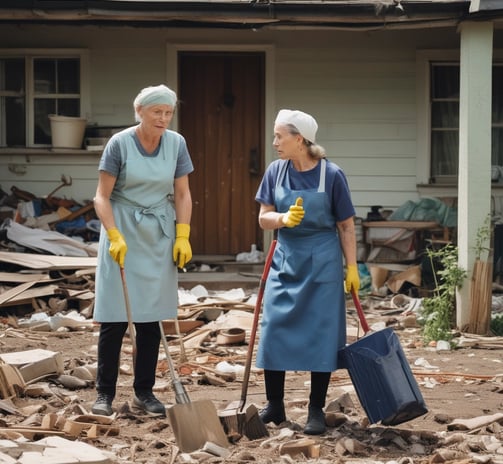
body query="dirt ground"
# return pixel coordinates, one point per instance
(456, 384)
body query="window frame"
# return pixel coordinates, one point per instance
(29, 54)
(423, 99)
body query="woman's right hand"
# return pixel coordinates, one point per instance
(118, 247)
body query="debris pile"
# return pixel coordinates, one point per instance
(47, 224)
(47, 384)
(43, 390)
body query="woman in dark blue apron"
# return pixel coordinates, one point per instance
(307, 199)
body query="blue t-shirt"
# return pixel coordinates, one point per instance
(111, 158)
(336, 186)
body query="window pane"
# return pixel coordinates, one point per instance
(68, 107)
(497, 146)
(43, 107)
(445, 115)
(444, 153)
(497, 108)
(68, 76)
(13, 128)
(445, 80)
(12, 102)
(44, 76)
(12, 75)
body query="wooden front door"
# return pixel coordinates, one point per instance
(221, 115)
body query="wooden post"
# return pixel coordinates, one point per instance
(481, 297)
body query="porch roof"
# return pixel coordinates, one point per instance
(248, 14)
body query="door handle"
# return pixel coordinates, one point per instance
(254, 163)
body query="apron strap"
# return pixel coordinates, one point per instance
(281, 173)
(323, 171)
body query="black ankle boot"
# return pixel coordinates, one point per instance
(273, 412)
(315, 421)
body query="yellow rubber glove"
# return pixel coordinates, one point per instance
(294, 215)
(118, 247)
(352, 281)
(182, 251)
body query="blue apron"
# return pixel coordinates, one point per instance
(304, 320)
(146, 217)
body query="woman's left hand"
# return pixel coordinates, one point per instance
(182, 251)
(352, 281)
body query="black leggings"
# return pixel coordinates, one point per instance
(148, 337)
(275, 387)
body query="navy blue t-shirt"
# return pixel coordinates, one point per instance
(336, 186)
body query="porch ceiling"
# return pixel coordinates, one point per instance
(246, 14)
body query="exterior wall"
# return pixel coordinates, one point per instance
(360, 86)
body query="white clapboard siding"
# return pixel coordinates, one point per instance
(361, 87)
(365, 105)
(41, 174)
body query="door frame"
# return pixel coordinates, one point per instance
(172, 50)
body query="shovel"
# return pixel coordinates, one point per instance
(236, 420)
(131, 330)
(194, 423)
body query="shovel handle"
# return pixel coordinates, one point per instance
(132, 335)
(256, 313)
(359, 310)
(181, 396)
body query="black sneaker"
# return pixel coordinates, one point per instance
(103, 405)
(149, 403)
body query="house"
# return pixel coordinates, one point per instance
(408, 96)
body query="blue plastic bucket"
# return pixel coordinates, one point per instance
(383, 380)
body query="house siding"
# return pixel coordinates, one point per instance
(361, 87)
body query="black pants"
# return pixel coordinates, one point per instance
(275, 387)
(148, 337)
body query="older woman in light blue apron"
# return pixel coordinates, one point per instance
(144, 204)
(307, 199)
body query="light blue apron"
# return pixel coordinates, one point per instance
(304, 320)
(146, 218)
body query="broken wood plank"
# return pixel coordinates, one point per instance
(48, 262)
(13, 292)
(28, 294)
(32, 433)
(186, 326)
(20, 277)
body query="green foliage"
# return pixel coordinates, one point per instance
(483, 237)
(497, 325)
(438, 310)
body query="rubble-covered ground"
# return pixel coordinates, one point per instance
(462, 388)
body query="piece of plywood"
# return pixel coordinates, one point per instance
(13, 292)
(27, 294)
(47, 262)
(19, 277)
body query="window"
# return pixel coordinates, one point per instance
(35, 84)
(444, 119)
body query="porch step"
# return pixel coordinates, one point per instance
(220, 272)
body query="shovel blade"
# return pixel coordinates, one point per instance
(196, 423)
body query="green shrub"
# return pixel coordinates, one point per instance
(439, 309)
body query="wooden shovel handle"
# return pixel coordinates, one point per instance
(132, 335)
(256, 313)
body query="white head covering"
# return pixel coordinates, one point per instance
(155, 95)
(305, 123)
